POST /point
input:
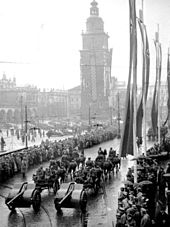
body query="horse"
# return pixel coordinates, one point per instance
(61, 175)
(96, 175)
(80, 160)
(72, 168)
(100, 160)
(116, 163)
(107, 168)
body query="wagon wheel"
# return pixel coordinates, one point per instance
(83, 201)
(36, 200)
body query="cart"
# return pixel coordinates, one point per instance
(24, 195)
(71, 195)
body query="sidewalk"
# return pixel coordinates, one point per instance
(12, 143)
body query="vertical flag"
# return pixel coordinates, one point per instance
(154, 110)
(127, 141)
(145, 77)
(130, 133)
(147, 55)
(159, 87)
(125, 134)
(168, 83)
(134, 88)
(140, 107)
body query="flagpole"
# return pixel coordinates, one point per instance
(141, 13)
(134, 87)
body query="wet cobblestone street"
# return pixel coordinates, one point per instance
(101, 208)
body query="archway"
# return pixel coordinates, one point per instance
(9, 116)
(17, 116)
(2, 116)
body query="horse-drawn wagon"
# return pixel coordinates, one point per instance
(24, 195)
(71, 195)
(115, 160)
(46, 180)
(99, 160)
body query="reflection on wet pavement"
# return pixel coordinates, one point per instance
(101, 209)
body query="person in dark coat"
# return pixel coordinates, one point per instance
(145, 220)
(168, 168)
(162, 219)
(24, 167)
(161, 184)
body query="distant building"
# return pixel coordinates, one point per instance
(74, 102)
(52, 104)
(13, 99)
(95, 66)
(7, 83)
(41, 105)
(117, 98)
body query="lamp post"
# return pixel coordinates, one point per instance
(21, 113)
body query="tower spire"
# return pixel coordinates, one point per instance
(94, 10)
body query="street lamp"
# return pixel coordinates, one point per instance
(26, 128)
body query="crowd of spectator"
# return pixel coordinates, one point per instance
(20, 161)
(159, 150)
(137, 206)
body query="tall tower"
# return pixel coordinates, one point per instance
(95, 68)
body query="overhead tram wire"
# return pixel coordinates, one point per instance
(15, 62)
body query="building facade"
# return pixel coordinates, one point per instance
(95, 67)
(52, 104)
(74, 103)
(117, 98)
(42, 105)
(13, 99)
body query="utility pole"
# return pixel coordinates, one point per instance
(111, 115)
(26, 128)
(68, 106)
(22, 114)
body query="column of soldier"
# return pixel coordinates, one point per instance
(19, 162)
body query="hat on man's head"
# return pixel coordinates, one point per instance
(121, 209)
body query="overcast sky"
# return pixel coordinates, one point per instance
(45, 36)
